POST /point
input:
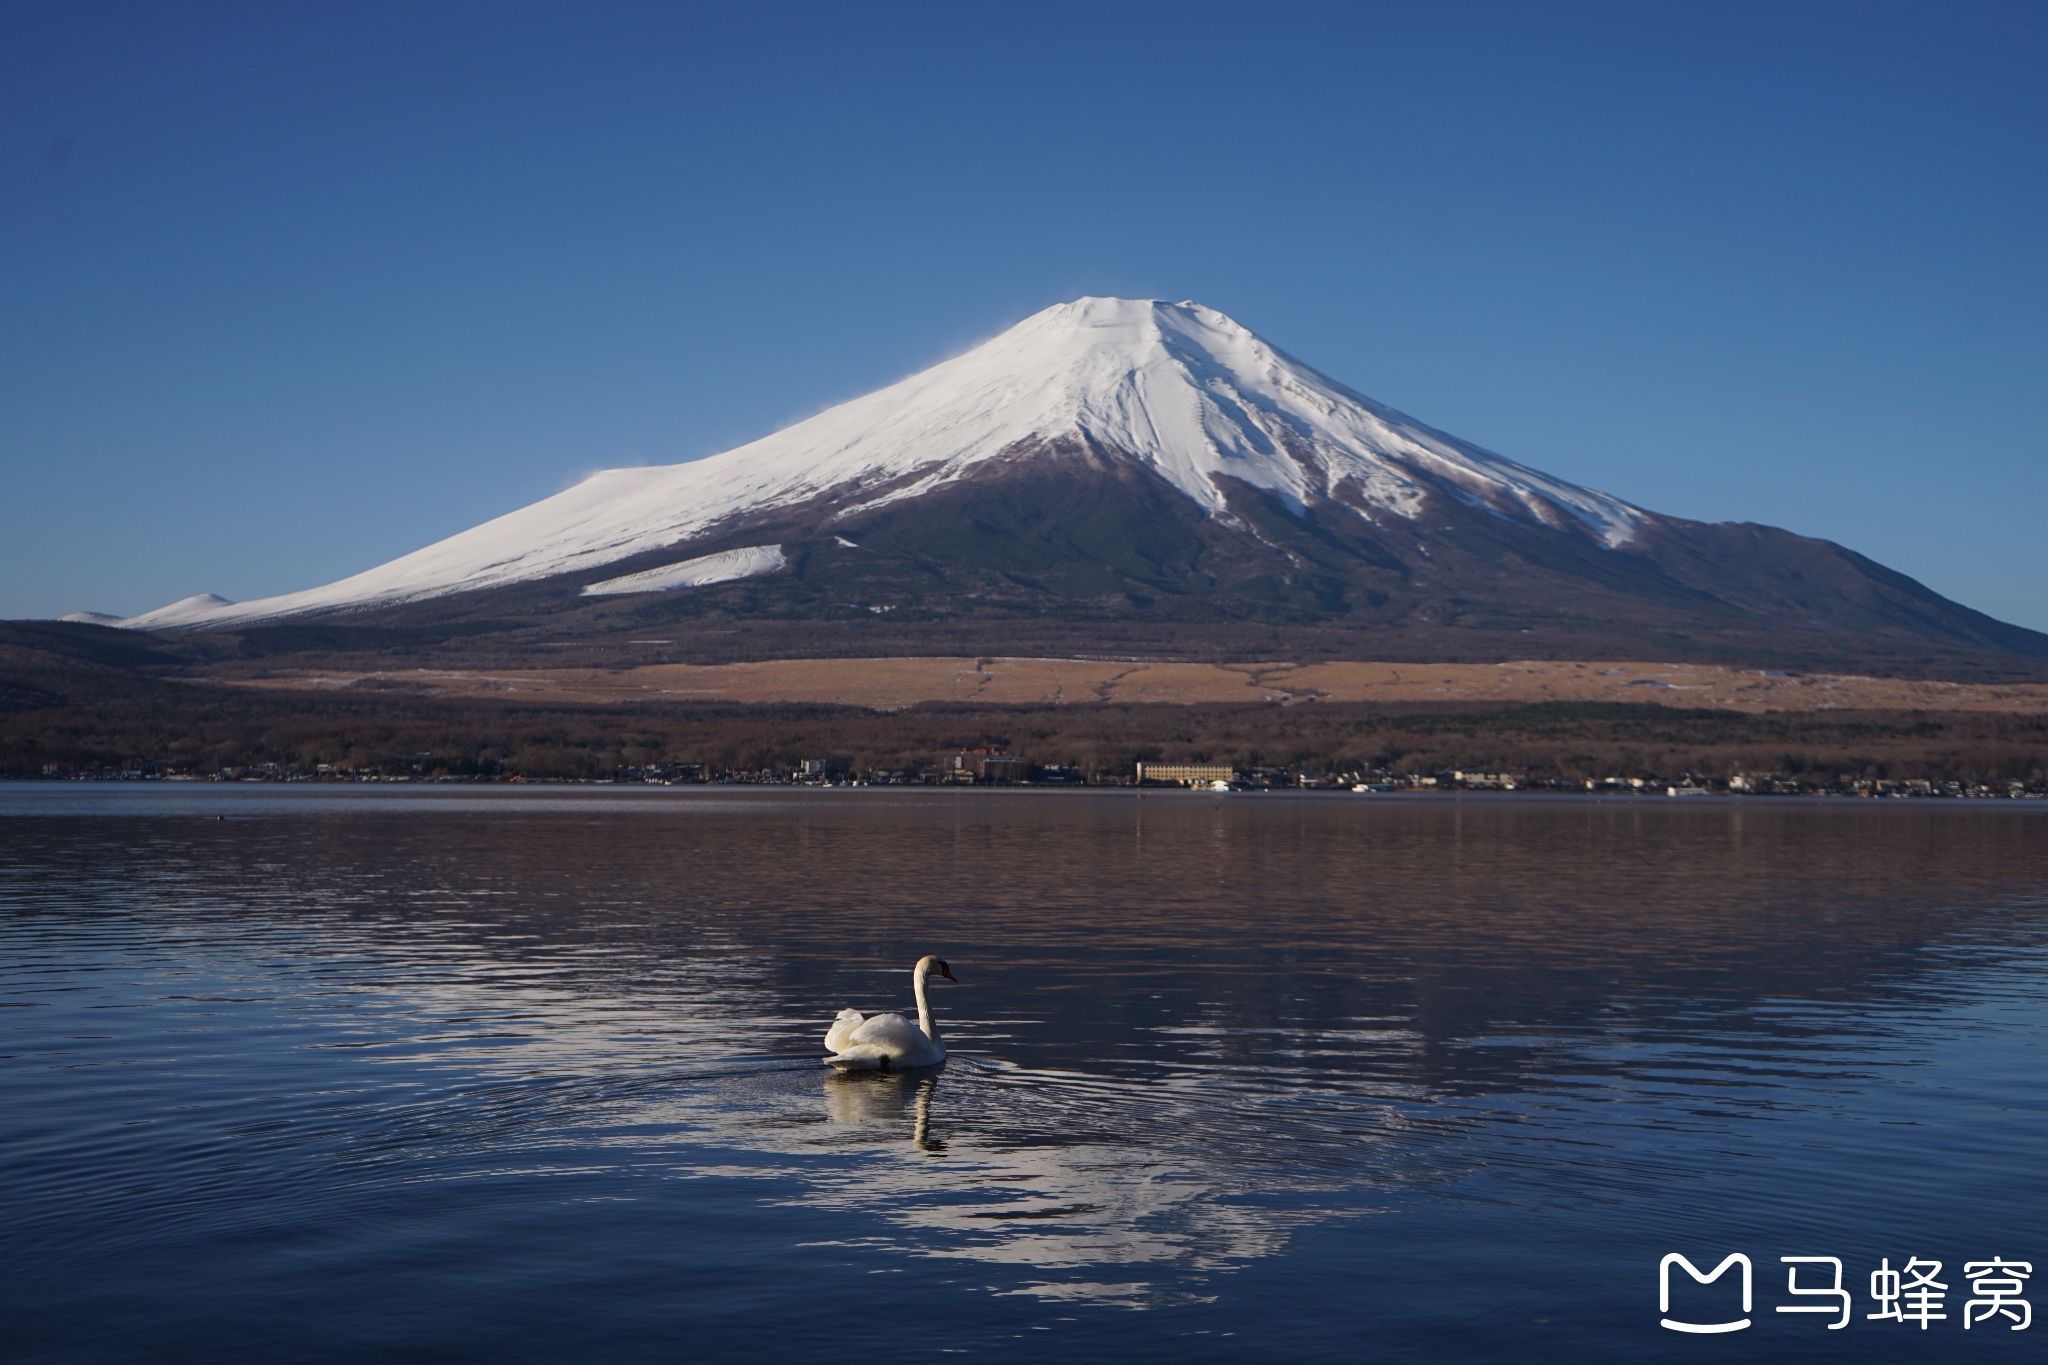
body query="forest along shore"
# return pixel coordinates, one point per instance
(179, 729)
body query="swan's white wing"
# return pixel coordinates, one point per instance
(891, 1032)
(841, 1032)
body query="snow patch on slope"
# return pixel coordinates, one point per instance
(724, 567)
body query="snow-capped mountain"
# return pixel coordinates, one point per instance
(1118, 460)
(1180, 389)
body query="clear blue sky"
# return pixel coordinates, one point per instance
(287, 290)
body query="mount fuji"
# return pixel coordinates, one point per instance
(1109, 469)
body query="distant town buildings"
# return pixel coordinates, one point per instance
(988, 766)
(995, 765)
(1186, 774)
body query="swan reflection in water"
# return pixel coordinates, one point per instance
(880, 1099)
(1041, 1176)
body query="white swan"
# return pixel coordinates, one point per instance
(889, 1041)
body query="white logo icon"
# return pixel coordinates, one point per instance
(1733, 1258)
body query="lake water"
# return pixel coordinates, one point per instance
(487, 1074)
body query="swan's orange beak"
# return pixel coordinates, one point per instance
(947, 972)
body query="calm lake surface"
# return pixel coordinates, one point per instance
(487, 1074)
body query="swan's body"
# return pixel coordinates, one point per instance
(888, 1041)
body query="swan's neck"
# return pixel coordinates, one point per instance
(924, 1008)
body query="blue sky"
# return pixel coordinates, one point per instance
(287, 290)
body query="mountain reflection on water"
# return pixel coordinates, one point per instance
(1191, 1032)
